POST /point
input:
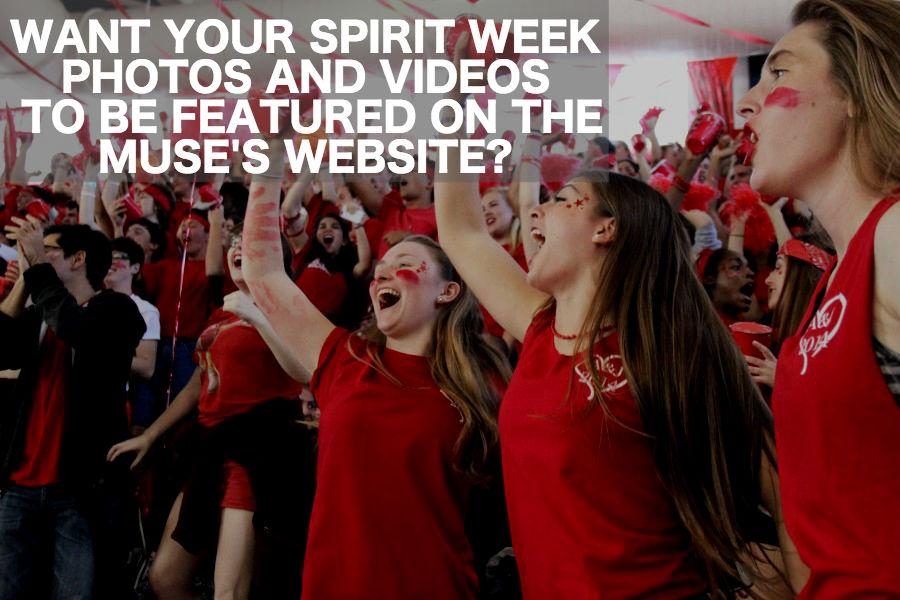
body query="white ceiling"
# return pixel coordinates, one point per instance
(637, 30)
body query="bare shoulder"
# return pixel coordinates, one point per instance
(887, 279)
(887, 247)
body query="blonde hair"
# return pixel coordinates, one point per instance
(861, 38)
(466, 368)
(515, 226)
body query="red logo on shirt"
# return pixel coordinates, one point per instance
(611, 370)
(822, 329)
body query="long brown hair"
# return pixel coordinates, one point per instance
(800, 281)
(861, 38)
(707, 423)
(466, 368)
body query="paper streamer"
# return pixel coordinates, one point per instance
(35, 72)
(735, 33)
(263, 15)
(117, 4)
(9, 143)
(419, 10)
(747, 37)
(220, 4)
(391, 7)
(677, 14)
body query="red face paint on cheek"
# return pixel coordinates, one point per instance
(784, 97)
(407, 275)
(422, 267)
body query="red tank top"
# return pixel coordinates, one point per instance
(588, 513)
(837, 431)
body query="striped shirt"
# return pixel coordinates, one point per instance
(889, 363)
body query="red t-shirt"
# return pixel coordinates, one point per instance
(238, 371)
(837, 432)
(588, 514)
(388, 518)
(163, 280)
(490, 325)
(43, 437)
(326, 290)
(396, 216)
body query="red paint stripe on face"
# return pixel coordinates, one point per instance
(784, 97)
(407, 275)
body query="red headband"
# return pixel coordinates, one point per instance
(158, 195)
(807, 253)
(199, 219)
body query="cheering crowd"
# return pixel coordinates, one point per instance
(636, 371)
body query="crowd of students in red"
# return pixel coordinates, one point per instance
(638, 371)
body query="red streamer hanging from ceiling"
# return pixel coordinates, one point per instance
(9, 144)
(117, 4)
(735, 33)
(419, 10)
(35, 72)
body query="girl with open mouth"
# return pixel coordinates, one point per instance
(824, 121)
(408, 416)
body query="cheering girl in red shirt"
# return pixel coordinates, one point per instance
(237, 372)
(407, 416)
(635, 446)
(824, 116)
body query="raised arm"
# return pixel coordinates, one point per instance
(292, 206)
(495, 278)
(363, 251)
(782, 231)
(736, 235)
(240, 304)
(215, 254)
(302, 327)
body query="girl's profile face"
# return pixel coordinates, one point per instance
(798, 115)
(775, 281)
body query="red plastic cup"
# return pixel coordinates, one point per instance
(133, 210)
(704, 133)
(745, 333)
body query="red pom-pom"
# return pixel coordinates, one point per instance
(759, 235)
(698, 197)
(745, 198)
(660, 183)
(653, 113)
(557, 169)
(209, 194)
